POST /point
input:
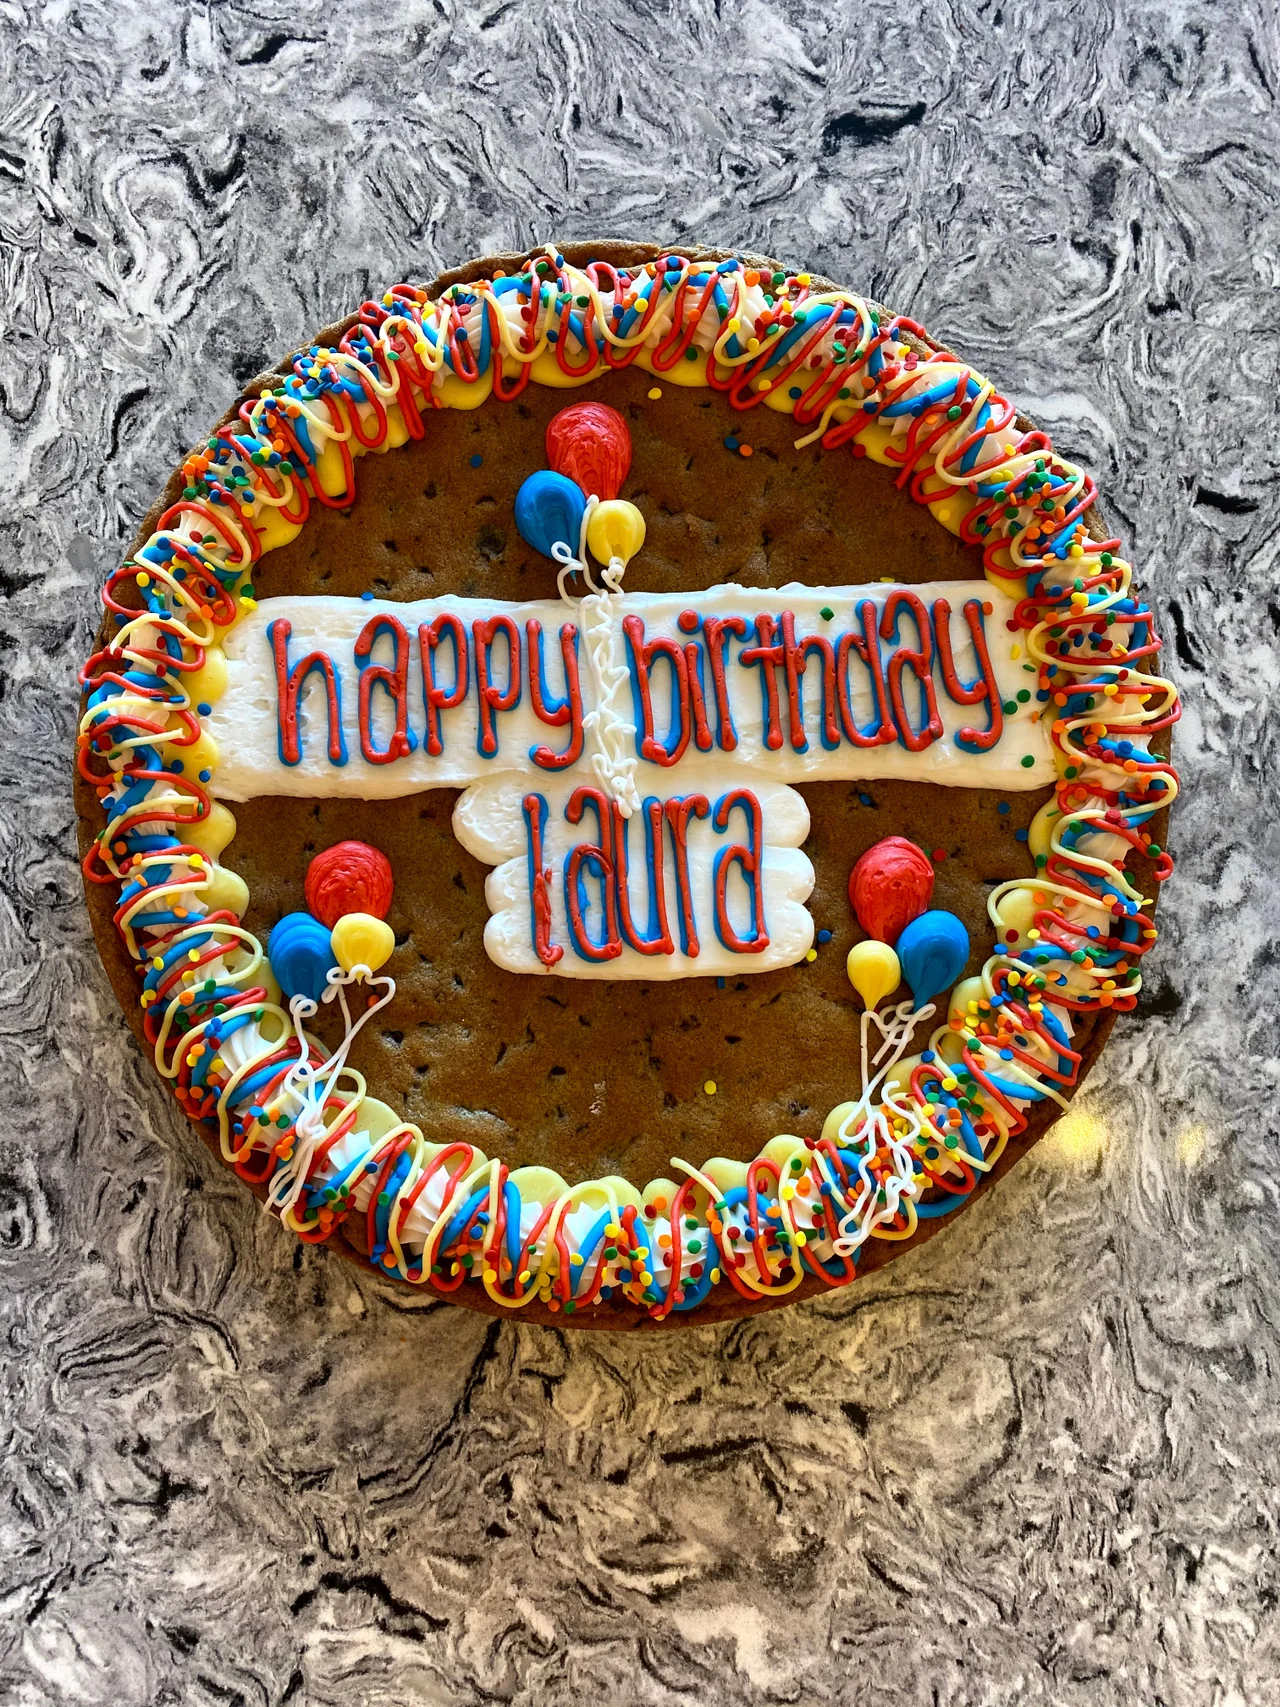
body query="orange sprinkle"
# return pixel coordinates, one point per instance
(744, 450)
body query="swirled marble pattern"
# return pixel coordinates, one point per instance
(1033, 1461)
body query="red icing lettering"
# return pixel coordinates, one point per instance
(439, 699)
(768, 653)
(717, 630)
(867, 646)
(795, 657)
(494, 699)
(535, 817)
(394, 677)
(920, 662)
(643, 654)
(600, 855)
(984, 688)
(558, 712)
(289, 682)
(678, 813)
(702, 737)
(658, 940)
(748, 859)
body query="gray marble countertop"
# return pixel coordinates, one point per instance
(1034, 1461)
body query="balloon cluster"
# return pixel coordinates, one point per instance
(890, 888)
(589, 449)
(348, 891)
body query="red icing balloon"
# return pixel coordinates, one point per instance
(590, 443)
(351, 877)
(889, 886)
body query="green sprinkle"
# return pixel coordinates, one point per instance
(1024, 694)
(1010, 707)
(1028, 761)
(826, 613)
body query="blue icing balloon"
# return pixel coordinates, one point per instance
(301, 955)
(933, 950)
(549, 511)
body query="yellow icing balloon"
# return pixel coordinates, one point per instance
(874, 971)
(358, 939)
(616, 529)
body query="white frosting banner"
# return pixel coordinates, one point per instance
(626, 759)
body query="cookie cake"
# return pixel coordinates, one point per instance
(625, 785)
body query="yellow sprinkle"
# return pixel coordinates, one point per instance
(523, 1279)
(1015, 651)
(788, 1192)
(710, 1087)
(491, 1274)
(247, 602)
(158, 964)
(655, 391)
(715, 1277)
(812, 954)
(193, 954)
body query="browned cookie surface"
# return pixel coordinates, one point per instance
(586, 1077)
(593, 1078)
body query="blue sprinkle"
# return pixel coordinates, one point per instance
(1019, 835)
(927, 1056)
(824, 936)
(204, 708)
(176, 767)
(476, 460)
(1003, 808)
(730, 443)
(367, 597)
(1006, 1054)
(719, 983)
(865, 799)
(795, 392)
(205, 775)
